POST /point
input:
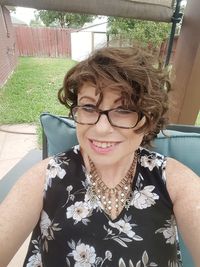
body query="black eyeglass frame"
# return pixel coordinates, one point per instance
(106, 112)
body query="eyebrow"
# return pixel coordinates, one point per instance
(87, 98)
(92, 99)
(118, 99)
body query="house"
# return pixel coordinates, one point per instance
(16, 21)
(89, 37)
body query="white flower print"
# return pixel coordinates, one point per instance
(108, 255)
(78, 211)
(90, 197)
(150, 161)
(69, 196)
(174, 264)
(125, 233)
(169, 234)
(56, 170)
(45, 223)
(69, 188)
(124, 227)
(144, 198)
(169, 231)
(144, 262)
(53, 171)
(164, 178)
(35, 261)
(84, 255)
(47, 228)
(76, 149)
(91, 200)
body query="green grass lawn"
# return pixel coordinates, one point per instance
(32, 89)
(198, 120)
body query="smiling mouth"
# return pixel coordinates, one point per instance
(104, 144)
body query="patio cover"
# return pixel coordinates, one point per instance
(154, 10)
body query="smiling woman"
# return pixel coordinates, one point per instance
(108, 201)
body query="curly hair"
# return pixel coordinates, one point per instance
(144, 85)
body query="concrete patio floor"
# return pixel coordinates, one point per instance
(15, 142)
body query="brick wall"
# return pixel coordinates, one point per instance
(8, 51)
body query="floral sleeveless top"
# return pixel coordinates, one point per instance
(73, 230)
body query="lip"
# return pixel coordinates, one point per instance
(103, 150)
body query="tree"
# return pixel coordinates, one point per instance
(63, 19)
(12, 9)
(147, 32)
(36, 22)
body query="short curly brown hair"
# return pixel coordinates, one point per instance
(133, 70)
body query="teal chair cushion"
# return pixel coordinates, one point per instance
(60, 136)
(185, 147)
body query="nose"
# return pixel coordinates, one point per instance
(103, 125)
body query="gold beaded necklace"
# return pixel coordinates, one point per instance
(112, 199)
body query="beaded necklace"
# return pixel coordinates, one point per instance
(112, 199)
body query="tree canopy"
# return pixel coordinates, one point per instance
(147, 32)
(36, 22)
(63, 19)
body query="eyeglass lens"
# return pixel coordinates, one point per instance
(117, 117)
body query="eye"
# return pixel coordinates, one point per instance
(123, 111)
(89, 108)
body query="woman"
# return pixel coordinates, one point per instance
(108, 201)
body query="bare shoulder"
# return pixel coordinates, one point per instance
(21, 210)
(180, 179)
(29, 187)
(184, 189)
(33, 179)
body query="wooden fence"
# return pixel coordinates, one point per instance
(56, 42)
(43, 42)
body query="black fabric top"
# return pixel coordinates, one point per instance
(73, 230)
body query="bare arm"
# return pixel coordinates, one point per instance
(20, 211)
(184, 189)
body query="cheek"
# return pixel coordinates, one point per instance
(134, 140)
(81, 132)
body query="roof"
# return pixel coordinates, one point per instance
(97, 25)
(155, 10)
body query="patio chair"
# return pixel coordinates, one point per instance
(181, 142)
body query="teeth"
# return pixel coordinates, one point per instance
(103, 145)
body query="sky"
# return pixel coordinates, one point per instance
(24, 14)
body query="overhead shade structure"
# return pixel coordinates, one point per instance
(154, 10)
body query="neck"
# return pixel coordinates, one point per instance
(111, 175)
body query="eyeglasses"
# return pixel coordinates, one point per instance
(118, 117)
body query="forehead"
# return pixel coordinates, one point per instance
(89, 90)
